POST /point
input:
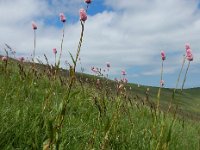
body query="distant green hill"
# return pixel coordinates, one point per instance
(188, 101)
(41, 110)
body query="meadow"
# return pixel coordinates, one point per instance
(43, 106)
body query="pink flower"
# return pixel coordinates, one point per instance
(123, 72)
(125, 80)
(54, 51)
(163, 56)
(189, 55)
(94, 70)
(88, 1)
(108, 65)
(4, 58)
(21, 59)
(187, 46)
(62, 17)
(162, 82)
(34, 26)
(83, 15)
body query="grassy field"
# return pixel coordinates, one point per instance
(96, 116)
(188, 101)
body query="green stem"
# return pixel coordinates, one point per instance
(184, 58)
(66, 98)
(185, 77)
(34, 45)
(61, 45)
(159, 91)
(177, 82)
(79, 46)
(55, 60)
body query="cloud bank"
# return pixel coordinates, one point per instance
(130, 34)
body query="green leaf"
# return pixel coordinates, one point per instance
(74, 62)
(74, 94)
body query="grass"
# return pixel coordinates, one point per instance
(95, 118)
(45, 107)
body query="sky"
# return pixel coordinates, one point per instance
(130, 34)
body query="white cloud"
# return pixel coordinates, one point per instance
(131, 34)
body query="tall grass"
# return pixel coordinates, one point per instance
(42, 108)
(93, 120)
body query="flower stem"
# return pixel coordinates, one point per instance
(185, 77)
(34, 45)
(159, 91)
(79, 46)
(61, 45)
(184, 58)
(177, 82)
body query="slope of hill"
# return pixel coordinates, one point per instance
(187, 101)
(41, 110)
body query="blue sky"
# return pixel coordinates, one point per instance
(128, 34)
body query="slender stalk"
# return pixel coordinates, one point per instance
(177, 82)
(159, 91)
(66, 98)
(61, 45)
(185, 76)
(34, 45)
(79, 46)
(184, 58)
(55, 60)
(160, 137)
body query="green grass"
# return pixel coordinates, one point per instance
(188, 101)
(95, 117)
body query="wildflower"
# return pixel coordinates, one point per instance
(162, 83)
(54, 51)
(125, 80)
(62, 17)
(94, 70)
(88, 1)
(187, 46)
(123, 72)
(83, 15)
(34, 25)
(189, 55)
(108, 65)
(4, 58)
(163, 56)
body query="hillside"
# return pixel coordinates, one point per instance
(188, 101)
(42, 110)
